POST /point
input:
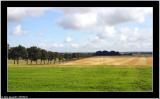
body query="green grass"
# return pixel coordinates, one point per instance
(79, 79)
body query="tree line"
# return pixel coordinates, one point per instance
(107, 53)
(34, 54)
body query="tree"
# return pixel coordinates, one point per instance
(16, 53)
(75, 55)
(24, 54)
(60, 57)
(66, 56)
(51, 56)
(12, 54)
(56, 56)
(33, 53)
(104, 53)
(43, 55)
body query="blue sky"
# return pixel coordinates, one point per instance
(81, 29)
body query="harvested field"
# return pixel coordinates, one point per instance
(113, 60)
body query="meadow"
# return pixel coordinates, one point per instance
(73, 76)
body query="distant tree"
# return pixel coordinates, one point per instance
(26, 58)
(70, 56)
(77, 55)
(16, 53)
(24, 53)
(66, 56)
(106, 53)
(43, 55)
(60, 57)
(12, 54)
(73, 55)
(56, 56)
(51, 56)
(99, 53)
(33, 53)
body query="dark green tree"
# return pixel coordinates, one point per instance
(51, 56)
(43, 55)
(33, 53)
(17, 53)
(60, 57)
(12, 54)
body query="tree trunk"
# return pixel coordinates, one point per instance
(36, 61)
(27, 61)
(31, 61)
(44, 61)
(41, 61)
(17, 61)
(48, 61)
(14, 61)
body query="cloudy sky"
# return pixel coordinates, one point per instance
(73, 29)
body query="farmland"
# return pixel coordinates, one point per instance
(100, 73)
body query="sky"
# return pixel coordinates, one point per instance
(81, 29)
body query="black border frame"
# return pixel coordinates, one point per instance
(154, 4)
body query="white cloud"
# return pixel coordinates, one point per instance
(107, 31)
(78, 20)
(68, 39)
(50, 45)
(56, 45)
(126, 39)
(71, 43)
(17, 30)
(92, 17)
(108, 27)
(71, 10)
(74, 45)
(123, 38)
(17, 13)
(61, 45)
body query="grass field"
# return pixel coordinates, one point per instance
(75, 77)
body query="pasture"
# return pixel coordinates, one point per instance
(117, 73)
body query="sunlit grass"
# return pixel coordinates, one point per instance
(100, 78)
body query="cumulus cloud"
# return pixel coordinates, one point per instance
(71, 43)
(17, 30)
(72, 10)
(108, 27)
(17, 13)
(126, 39)
(77, 19)
(107, 31)
(136, 34)
(121, 15)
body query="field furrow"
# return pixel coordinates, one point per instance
(141, 61)
(113, 60)
(149, 60)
